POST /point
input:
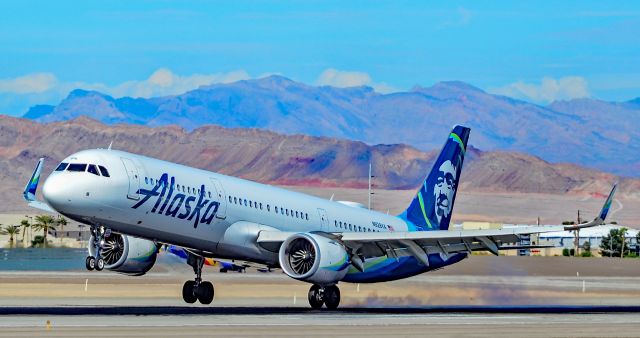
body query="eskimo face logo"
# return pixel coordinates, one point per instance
(444, 190)
(199, 210)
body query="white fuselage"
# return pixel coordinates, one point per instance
(131, 201)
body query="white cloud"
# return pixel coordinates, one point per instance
(29, 84)
(164, 82)
(343, 79)
(548, 90)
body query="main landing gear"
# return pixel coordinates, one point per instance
(197, 289)
(98, 234)
(328, 295)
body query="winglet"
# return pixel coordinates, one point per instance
(601, 216)
(29, 193)
(30, 189)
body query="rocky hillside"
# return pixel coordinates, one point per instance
(591, 133)
(279, 159)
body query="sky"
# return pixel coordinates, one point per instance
(539, 51)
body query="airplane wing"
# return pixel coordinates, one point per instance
(29, 192)
(421, 243)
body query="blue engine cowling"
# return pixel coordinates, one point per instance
(313, 258)
(126, 254)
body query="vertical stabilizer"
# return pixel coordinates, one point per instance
(432, 206)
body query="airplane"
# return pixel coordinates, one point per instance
(135, 204)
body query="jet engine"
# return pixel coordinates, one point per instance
(126, 254)
(313, 258)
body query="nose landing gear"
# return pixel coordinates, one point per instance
(324, 295)
(197, 289)
(98, 233)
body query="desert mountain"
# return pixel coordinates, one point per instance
(280, 159)
(591, 133)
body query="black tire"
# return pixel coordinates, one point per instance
(332, 297)
(90, 263)
(315, 297)
(188, 292)
(205, 293)
(99, 264)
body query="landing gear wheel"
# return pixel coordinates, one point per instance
(331, 297)
(90, 263)
(188, 292)
(99, 264)
(315, 296)
(205, 292)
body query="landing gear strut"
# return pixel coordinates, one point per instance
(98, 233)
(328, 295)
(197, 289)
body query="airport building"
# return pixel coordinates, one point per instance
(559, 240)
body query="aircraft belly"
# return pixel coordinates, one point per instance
(383, 269)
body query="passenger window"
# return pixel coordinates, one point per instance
(77, 167)
(104, 171)
(189, 189)
(268, 209)
(350, 228)
(245, 203)
(306, 216)
(336, 223)
(209, 192)
(287, 211)
(296, 214)
(260, 205)
(229, 199)
(276, 209)
(62, 166)
(146, 180)
(359, 229)
(255, 205)
(92, 169)
(250, 204)
(235, 200)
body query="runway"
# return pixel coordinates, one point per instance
(481, 296)
(185, 321)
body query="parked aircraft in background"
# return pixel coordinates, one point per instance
(135, 204)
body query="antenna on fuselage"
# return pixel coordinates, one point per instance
(110, 144)
(331, 199)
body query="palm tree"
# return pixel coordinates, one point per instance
(61, 221)
(44, 223)
(12, 230)
(25, 225)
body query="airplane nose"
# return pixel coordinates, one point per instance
(55, 192)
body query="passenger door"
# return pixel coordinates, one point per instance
(221, 197)
(134, 179)
(324, 221)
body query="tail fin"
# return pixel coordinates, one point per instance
(432, 207)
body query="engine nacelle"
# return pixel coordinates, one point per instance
(314, 258)
(127, 254)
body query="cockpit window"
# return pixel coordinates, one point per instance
(92, 169)
(62, 166)
(77, 167)
(104, 171)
